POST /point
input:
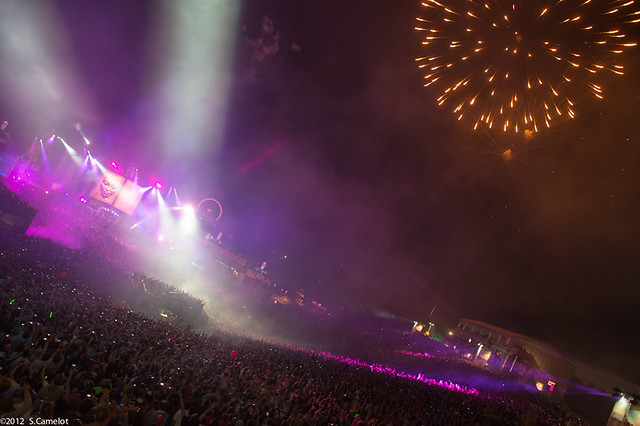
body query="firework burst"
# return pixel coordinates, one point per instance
(520, 67)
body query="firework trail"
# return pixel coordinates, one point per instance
(520, 67)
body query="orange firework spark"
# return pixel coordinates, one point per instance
(517, 67)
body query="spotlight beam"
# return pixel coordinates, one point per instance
(194, 59)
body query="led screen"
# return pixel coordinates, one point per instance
(128, 197)
(108, 187)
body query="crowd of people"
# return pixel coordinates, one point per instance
(72, 347)
(95, 234)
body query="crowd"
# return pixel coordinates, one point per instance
(71, 347)
(101, 252)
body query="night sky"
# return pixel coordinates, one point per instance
(322, 145)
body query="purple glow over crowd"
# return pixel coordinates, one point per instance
(417, 354)
(381, 369)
